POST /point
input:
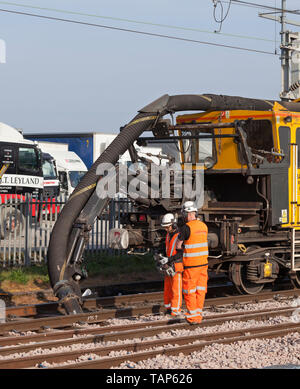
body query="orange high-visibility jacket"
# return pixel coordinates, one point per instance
(171, 244)
(171, 250)
(196, 248)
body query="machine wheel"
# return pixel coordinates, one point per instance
(241, 283)
(239, 276)
(295, 280)
(12, 222)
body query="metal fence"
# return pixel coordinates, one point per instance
(26, 224)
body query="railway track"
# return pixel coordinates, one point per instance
(226, 290)
(46, 295)
(93, 303)
(87, 340)
(89, 348)
(123, 306)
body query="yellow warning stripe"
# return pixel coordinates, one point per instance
(3, 169)
(62, 273)
(83, 190)
(269, 102)
(142, 120)
(206, 98)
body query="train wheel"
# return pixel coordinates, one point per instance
(239, 278)
(296, 280)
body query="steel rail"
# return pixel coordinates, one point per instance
(114, 362)
(137, 346)
(143, 329)
(101, 302)
(62, 321)
(67, 333)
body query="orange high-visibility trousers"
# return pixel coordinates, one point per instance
(173, 293)
(194, 288)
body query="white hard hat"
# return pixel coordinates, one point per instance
(168, 220)
(189, 206)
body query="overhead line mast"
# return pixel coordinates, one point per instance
(290, 62)
(285, 55)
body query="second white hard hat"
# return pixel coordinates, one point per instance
(168, 219)
(189, 206)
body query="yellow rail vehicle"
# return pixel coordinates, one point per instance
(248, 150)
(252, 196)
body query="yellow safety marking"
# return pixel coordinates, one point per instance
(82, 191)
(61, 275)
(242, 248)
(3, 170)
(205, 97)
(142, 120)
(268, 102)
(190, 166)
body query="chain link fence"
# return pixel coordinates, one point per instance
(26, 224)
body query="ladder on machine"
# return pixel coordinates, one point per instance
(295, 251)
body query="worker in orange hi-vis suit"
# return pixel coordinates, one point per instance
(172, 268)
(192, 240)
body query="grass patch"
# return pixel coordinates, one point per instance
(95, 264)
(107, 265)
(23, 275)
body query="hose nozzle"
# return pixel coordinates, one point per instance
(68, 298)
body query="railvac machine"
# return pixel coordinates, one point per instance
(251, 198)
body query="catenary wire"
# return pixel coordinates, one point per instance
(269, 7)
(134, 21)
(137, 32)
(223, 17)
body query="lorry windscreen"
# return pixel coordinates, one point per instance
(75, 177)
(28, 159)
(48, 170)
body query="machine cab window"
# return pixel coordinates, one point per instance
(197, 150)
(259, 135)
(259, 138)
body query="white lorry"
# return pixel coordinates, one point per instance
(20, 174)
(70, 167)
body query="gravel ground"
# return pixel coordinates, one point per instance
(257, 353)
(251, 354)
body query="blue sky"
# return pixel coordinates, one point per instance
(62, 77)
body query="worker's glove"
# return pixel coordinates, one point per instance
(161, 263)
(163, 260)
(160, 259)
(167, 266)
(170, 271)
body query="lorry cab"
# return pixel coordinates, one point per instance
(21, 174)
(51, 181)
(21, 160)
(70, 170)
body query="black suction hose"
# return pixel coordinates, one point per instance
(58, 246)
